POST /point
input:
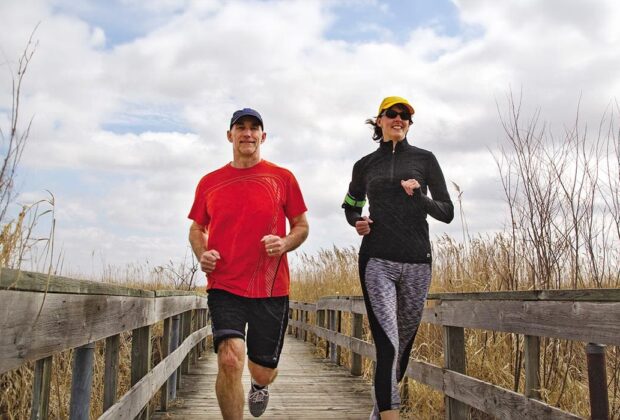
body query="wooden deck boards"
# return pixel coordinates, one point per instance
(307, 387)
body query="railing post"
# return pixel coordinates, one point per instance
(532, 366)
(339, 330)
(305, 322)
(331, 325)
(112, 352)
(81, 381)
(597, 382)
(186, 320)
(205, 322)
(296, 316)
(356, 332)
(200, 325)
(454, 359)
(404, 391)
(165, 351)
(289, 328)
(41, 388)
(321, 323)
(141, 359)
(174, 344)
(193, 328)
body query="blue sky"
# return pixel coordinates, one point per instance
(131, 101)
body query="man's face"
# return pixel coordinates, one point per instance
(246, 136)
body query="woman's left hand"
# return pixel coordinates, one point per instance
(410, 185)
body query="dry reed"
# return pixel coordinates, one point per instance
(481, 265)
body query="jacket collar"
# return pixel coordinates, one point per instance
(386, 146)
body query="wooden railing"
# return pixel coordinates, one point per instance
(43, 315)
(590, 316)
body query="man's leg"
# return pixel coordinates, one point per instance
(262, 375)
(266, 329)
(228, 386)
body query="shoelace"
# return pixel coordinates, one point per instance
(259, 395)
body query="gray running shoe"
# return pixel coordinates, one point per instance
(375, 415)
(258, 400)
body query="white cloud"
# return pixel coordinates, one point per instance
(140, 120)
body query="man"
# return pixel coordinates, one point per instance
(239, 236)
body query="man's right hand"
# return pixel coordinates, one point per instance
(363, 226)
(208, 259)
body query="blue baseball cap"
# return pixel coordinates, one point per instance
(246, 112)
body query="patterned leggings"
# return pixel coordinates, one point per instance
(394, 294)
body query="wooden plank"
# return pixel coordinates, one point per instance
(358, 346)
(310, 307)
(580, 321)
(356, 332)
(167, 293)
(483, 396)
(41, 389)
(112, 355)
(81, 381)
(39, 282)
(186, 319)
(589, 295)
(353, 304)
(497, 401)
(454, 359)
(130, 405)
(141, 359)
(37, 325)
(165, 350)
(307, 388)
(531, 350)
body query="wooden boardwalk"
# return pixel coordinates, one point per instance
(307, 387)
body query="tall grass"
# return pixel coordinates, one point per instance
(481, 265)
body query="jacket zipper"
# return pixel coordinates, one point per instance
(392, 165)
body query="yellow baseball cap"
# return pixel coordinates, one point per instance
(393, 100)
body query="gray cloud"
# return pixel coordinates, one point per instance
(145, 116)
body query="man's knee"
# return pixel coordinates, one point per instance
(262, 375)
(230, 356)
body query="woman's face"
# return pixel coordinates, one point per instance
(395, 128)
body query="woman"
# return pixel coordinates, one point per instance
(395, 255)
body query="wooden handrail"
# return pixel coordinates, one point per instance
(590, 316)
(43, 315)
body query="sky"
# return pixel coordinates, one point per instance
(131, 101)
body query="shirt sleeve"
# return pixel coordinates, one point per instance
(440, 206)
(198, 212)
(355, 199)
(295, 204)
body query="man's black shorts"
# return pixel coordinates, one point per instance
(266, 320)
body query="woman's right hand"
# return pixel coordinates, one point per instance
(363, 226)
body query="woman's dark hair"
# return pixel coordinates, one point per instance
(377, 134)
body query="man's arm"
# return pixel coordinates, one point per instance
(276, 246)
(298, 234)
(198, 239)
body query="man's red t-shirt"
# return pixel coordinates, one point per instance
(239, 207)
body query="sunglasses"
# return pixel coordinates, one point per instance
(404, 115)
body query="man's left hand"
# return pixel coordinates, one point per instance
(274, 245)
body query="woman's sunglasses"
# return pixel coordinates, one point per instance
(404, 115)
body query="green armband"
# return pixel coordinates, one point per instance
(351, 201)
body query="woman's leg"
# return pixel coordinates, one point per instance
(378, 279)
(411, 292)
